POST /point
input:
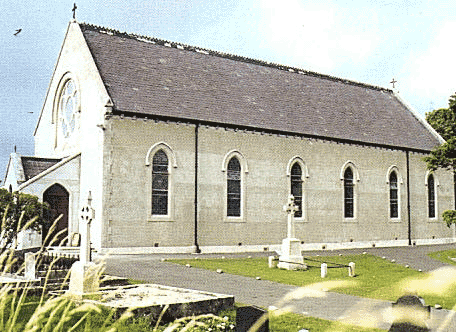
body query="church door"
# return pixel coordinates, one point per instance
(59, 201)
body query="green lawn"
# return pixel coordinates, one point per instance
(375, 277)
(444, 256)
(102, 321)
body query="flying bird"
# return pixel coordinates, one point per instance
(17, 32)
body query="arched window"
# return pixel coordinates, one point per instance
(160, 183)
(234, 188)
(296, 187)
(349, 194)
(431, 196)
(394, 195)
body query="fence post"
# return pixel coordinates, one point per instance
(351, 269)
(324, 270)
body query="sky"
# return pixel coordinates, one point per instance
(370, 41)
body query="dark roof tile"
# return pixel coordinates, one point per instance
(33, 165)
(143, 76)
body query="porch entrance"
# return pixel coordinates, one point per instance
(59, 201)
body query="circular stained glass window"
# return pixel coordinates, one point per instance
(68, 108)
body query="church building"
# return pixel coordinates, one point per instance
(183, 149)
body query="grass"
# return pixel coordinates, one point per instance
(375, 277)
(102, 320)
(444, 256)
(294, 322)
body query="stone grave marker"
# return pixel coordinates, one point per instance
(291, 257)
(84, 273)
(410, 315)
(247, 316)
(30, 266)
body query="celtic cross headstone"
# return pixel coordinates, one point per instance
(290, 257)
(84, 273)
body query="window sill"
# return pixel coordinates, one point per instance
(235, 220)
(350, 220)
(160, 219)
(394, 220)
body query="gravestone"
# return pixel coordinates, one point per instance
(291, 257)
(247, 316)
(410, 315)
(30, 266)
(84, 277)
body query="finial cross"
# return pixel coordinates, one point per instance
(393, 82)
(74, 11)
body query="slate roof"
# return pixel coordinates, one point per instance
(151, 77)
(33, 165)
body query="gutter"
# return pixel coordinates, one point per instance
(197, 248)
(409, 218)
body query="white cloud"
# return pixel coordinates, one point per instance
(432, 75)
(316, 36)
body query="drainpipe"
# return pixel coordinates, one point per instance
(409, 220)
(197, 249)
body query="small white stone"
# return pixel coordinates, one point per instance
(340, 254)
(219, 271)
(188, 265)
(163, 259)
(438, 306)
(258, 278)
(196, 258)
(419, 270)
(249, 256)
(364, 253)
(383, 257)
(272, 308)
(393, 261)
(407, 266)
(223, 257)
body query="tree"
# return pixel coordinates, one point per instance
(19, 211)
(443, 120)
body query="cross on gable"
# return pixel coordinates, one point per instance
(393, 82)
(74, 11)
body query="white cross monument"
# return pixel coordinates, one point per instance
(84, 273)
(291, 257)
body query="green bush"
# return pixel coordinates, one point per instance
(449, 216)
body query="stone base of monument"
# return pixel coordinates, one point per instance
(149, 300)
(84, 279)
(291, 257)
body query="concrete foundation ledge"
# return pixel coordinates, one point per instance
(372, 244)
(268, 247)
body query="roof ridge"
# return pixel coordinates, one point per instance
(183, 46)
